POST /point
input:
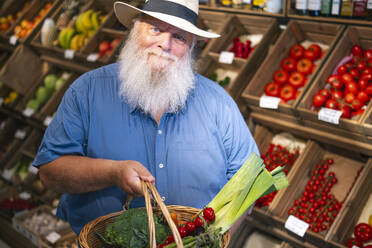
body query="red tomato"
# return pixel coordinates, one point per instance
(362, 83)
(337, 95)
(349, 65)
(208, 214)
(352, 87)
(368, 90)
(341, 70)
(170, 239)
(198, 222)
(313, 52)
(281, 77)
(304, 66)
(319, 100)
(367, 71)
(287, 93)
(349, 97)
(363, 232)
(190, 226)
(354, 242)
(346, 78)
(361, 65)
(183, 231)
(335, 81)
(346, 110)
(368, 54)
(332, 104)
(355, 73)
(272, 89)
(363, 97)
(367, 77)
(289, 64)
(325, 93)
(297, 79)
(357, 51)
(297, 52)
(356, 104)
(104, 46)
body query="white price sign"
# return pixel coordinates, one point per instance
(28, 112)
(13, 40)
(1, 101)
(329, 115)
(269, 102)
(32, 169)
(20, 134)
(92, 57)
(69, 54)
(65, 75)
(24, 195)
(47, 120)
(296, 225)
(7, 174)
(226, 57)
(53, 237)
(54, 211)
(354, 246)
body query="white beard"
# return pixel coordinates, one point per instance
(153, 91)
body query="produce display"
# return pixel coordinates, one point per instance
(86, 25)
(244, 45)
(204, 229)
(51, 83)
(8, 20)
(26, 26)
(261, 240)
(20, 170)
(105, 48)
(349, 88)
(223, 77)
(295, 71)
(8, 95)
(317, 205)
(9, 206)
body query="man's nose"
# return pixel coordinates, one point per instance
(165, 41)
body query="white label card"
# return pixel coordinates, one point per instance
(296, 225)
(47, 120)
(354, 246)
(65, 75)
(1, 101)
(13, 40)
(269, 102)
(329, 115)
(54, 211)
(28, 112)
(7, 174)
(20, 134)
(24, 195)
(32, 169)
(69, 54)
(92, 57)
(226, 57)
(53, 237)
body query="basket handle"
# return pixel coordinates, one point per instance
(147, 187)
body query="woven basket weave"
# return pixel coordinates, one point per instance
(88, 237)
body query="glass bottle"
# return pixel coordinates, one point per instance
(336, 8)
(313, 7)
(359, 9)
(325, 9)
(369, 10)
(301, 7)
(347, 8)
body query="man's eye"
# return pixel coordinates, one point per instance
(179, 37)
(155, 29)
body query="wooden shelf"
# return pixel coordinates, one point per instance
(331, 19)
(240, 11)
(12, 237)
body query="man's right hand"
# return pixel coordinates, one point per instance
(129, 174)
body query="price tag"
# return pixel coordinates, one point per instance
(296, 225)
(54, 211)
(53, 237)
(354, 246)
(269, 102)
(92, 57)
(24, 195)
(226, 57)
(13, 40)
(2, 125)
(32, 169)
(282, 27)
(1, 101)
(47, 120)
(69, 54)
(7, 174)
(28, 112)
(329, 115)
(65, 75)
(20, 134)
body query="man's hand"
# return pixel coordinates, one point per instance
(129, 174)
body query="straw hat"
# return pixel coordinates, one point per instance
(179, 13)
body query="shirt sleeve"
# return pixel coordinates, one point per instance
(67, 133)
(237, 139)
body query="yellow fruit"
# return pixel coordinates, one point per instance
(87, 23)
(95, 20)
(79, 24)
(370, 220)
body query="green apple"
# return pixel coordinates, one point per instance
(50, 81)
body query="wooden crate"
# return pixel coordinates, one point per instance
(346, 165)
(68, 239)
(295, 33)
(352, 36)
(366, 124)
(357, 200)
(238, 25)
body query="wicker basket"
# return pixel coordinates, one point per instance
(89, 239)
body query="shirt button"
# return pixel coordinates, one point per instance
(161, 166)
(163, 198)
(160, 132)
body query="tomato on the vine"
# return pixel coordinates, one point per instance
(363, 96)
(342, 70)
(198, 222)
(352, 87)
(304, 66)
(337, 95)
(346, 110)
(368, 54)
(319, 100)
(357, 51)
(349, 97)
(332, 104)
(208, 214)
(363, 232)
(183, 231)
(356, 104)
(335, 81)
(362, 83)
(346, 78)
(355, 73)
(190, 226)
(353, 242)
(325, 93)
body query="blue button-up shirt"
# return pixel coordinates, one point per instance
(191, 153)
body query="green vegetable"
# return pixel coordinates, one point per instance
(130, 230)
(50, 81)
(213, 77)
(33, 104)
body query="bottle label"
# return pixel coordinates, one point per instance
(335, 7)
(273, 6)
(326, 7)
(369, 4)
(314, 5)
(359, 8)
(301, 4)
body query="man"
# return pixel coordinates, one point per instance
(147, 117)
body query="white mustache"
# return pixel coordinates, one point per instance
(162, 54)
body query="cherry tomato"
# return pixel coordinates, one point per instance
(297, 52)
(304, 66)
(367, 71)
(190, 226)
(272, 89)
(183, 231)
(355, 73)
(345, 109)
(342, 70)
(353, 242)
(296, 79)
(368, 54)
(335, 81)
(208, 214)
(349, 97)
(325, 93)
(363, 97)
(346, 78)
(363, 83)
(281, 77)
(287, 93)
(170, 239)
(352, 87)
(332, 104)
(198, 222)
(361, 65)
(368, 90)
(356, 104)
(357, 51)
(288, 64)
(337, 95)
(363, 232)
